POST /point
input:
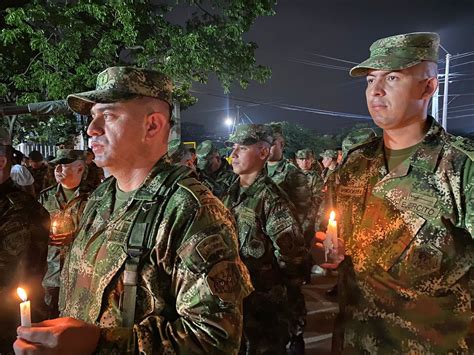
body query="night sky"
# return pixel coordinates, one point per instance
(293, 44)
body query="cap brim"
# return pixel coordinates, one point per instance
(382, 63)
(83, 102)
(63, 161)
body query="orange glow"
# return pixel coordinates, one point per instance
(332, 216)
(22, 294)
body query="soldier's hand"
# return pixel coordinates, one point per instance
(320, 236)
(57, 336)
(60, 239)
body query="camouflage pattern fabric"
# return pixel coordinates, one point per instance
(24, 227)
(329, 153)
(122, 83)
(316, 184)
(219, 181)
(272, 247)
(68, 156)
(400, 52)
(190, 283)
(249, 134)
(409, 248)
(53, 200)
(355, 138)
(294, 183)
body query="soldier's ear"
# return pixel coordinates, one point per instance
(430, 88)
(155, 123)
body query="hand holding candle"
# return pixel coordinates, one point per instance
(25, 310)
(62, 229)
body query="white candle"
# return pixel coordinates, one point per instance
(25, 310)
(331, 232)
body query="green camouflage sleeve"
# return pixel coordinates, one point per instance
(202, 312)
(468, 188)
(285, 232)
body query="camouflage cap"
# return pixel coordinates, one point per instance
(248, 134)
(205, 148)
(329, 153)
(277, 129)
(68, 156)
(304, 154)
(400, 52)
(356, 137)
(122, 83)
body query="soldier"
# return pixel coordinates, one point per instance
(154, 267)
(65, 203)
(38, 168)
(271, 243)
(214, 171)
(406, 207)
(305, 161)
(24, 226)
(329, 163)
(294, 183)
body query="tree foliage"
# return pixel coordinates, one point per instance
(51, 48)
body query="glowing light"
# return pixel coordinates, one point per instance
(228, 121)
(22, 294)
(332, 216)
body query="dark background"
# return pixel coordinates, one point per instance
(293, 42)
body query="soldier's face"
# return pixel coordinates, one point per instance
(305, 163)
(69, 175)
(397, 99)
(248, 159)
(117, 133)
(276, 151)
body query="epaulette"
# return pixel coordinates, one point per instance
(464, 145)
(200, 192)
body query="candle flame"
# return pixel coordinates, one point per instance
(332, 216)
(22, 294)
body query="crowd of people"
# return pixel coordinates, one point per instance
(192, 252)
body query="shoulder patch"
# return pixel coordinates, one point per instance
(200, 192)
(465, 145)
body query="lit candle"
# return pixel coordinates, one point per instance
(25, 312)
(331, 232)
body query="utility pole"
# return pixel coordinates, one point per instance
(445, 94)
(435, 104)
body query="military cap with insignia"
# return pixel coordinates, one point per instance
(68, 156)
(249, 134)
(400, 52)
(122, 83)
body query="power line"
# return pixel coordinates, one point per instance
(317, 64)
(333, 58)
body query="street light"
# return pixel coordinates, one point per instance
(228, 121)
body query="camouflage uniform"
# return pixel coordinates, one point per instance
(54, 200)
(272, 247)
(24, 227)
(404, 282)
(191, 281)
(218, 181)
